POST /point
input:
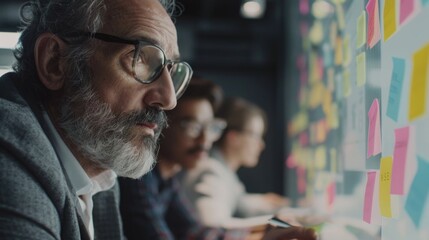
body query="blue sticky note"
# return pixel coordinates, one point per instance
(425, 2)
(418, 192)
(395, 91)
(327, 55)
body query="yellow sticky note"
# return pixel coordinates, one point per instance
(389, 18)
(320, 157)
(361, 30)
(340, 15)
(347, 88)
(385, 180)
(333, 33)
(360, 69)
(332, 117)
(418, 83)
(339, 51)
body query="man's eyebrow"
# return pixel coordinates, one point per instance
(175, 57)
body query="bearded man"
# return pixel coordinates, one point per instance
(86, 103)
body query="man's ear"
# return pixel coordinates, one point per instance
(50, 64)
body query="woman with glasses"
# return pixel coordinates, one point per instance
(214, 188)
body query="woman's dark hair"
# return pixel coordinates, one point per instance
(237, 112)
(200, 88)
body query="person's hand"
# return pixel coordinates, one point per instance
(276, 200)
(299, 233)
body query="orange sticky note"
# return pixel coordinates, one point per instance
(417, 104)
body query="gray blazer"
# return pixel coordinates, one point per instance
(36, 201)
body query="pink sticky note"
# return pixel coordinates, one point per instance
(330, 190)
(291, 161)
(304, 7)
(402, 136)
(373, 35)
(371, 210)
(374, 134)
(406, 8)
(301, 179)
(369, 194)
(303, 139)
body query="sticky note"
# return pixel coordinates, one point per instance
(339, 51)
(361, 30)
(395, 91)
(389, 18)
(333, 33)
(361, 69)
(333, 118)
(425, 2)
(320, 157)
(304, 7)
(340, 15)
(291, 161)
(374, 134)
(406, 8)
(373, 35)
(331, 190)
(327, 54)
(371, 210)
(385, 180)
(302, 181)
(402, 136)
(418, 193)
(417, 104)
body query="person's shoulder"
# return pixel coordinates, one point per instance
(29, 200)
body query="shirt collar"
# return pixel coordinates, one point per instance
(77, 176)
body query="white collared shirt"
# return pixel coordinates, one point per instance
(84, 186)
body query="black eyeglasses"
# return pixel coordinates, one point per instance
(149, 61)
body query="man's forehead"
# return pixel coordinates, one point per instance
(144, 19)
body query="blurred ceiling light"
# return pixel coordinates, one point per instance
(9, 39)
(321, 8)
(253, 8)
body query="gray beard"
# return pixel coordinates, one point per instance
(107, 139)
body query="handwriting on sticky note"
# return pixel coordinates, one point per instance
(418, 193)
(402, 136)
(417, 103)
(389, 18)
(385, 180)
(395, 91)
(374, 134)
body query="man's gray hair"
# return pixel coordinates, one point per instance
(63, 18)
